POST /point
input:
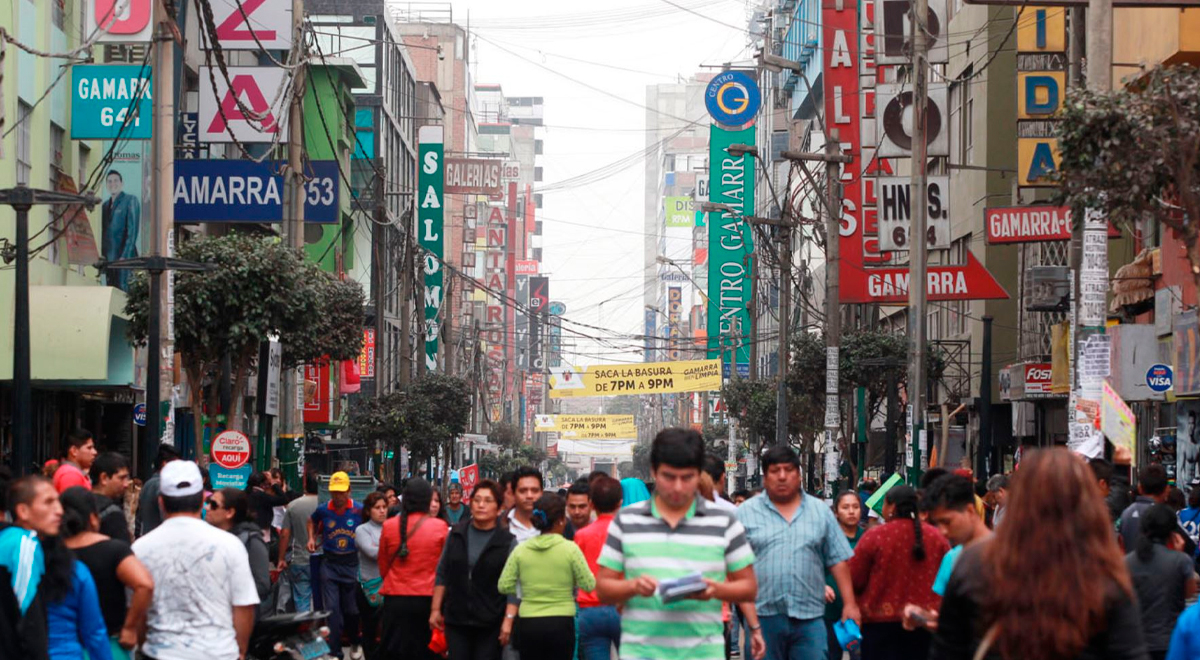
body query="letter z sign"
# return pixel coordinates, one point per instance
(249, 106)
(253, 24)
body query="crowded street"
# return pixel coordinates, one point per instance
(639, 330)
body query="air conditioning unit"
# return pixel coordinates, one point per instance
(1047, 288)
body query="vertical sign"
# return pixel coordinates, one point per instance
(840, 35)
(522, 329)
(674, 313)
(731, 247)
(430, 223)
(1041, 90)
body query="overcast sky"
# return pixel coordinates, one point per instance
(554, 49)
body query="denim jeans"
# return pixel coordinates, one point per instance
(794, 639)
(301, 580)
(599, 631)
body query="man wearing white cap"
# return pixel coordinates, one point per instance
(204, 600)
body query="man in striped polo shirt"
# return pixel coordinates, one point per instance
(673, 534)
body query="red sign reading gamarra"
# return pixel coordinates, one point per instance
(1031, 224)
(858, 246)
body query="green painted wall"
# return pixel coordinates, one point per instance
(328, 104)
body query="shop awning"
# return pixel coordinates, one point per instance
(77, 336)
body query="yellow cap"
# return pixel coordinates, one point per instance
(339, 482)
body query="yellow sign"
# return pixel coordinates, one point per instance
(588, 427)
(648, 378)
(1040, 94)
(1042, 30)
(1037, 159)
(1117, 421)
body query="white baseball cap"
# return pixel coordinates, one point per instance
(180, 479)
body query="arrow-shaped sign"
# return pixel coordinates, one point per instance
(890, 285)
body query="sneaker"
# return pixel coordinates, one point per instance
(356, 652)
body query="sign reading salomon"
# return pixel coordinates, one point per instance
(246, 191)
(431, 219)
(732, 98)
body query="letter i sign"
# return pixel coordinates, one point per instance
(260, 117)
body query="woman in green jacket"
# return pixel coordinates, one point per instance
(548, 569)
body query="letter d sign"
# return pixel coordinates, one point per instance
(124, 21)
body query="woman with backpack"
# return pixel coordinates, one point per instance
(229, 509)
(409, 549)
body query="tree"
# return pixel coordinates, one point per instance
(500, 463)
(425, 420)
(506, 435)
(1135, 153)
(259, 288)
(438, 410)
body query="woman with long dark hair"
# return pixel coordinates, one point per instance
(1051, 584)
(436, 508)
(1162, 577)
(409, 550)
(74, 620)
(548, 569)
(113, 567)
(895, 564)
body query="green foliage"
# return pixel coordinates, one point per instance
(425, 420)
(1135, 153)
(752, 403)
(506, 435)
(335, 329)
(641, 462)
(438, 411)
(497, 464)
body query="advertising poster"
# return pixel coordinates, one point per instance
(1187, 442)
(649, 378)
(121, 192)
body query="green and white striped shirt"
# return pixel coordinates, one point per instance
(640, 542)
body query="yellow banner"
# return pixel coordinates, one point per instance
(624, 379)
(588, 427)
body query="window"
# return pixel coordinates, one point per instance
(966, 117)
(24, 157)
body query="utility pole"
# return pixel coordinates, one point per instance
(160, 368)
(833, 292)
(406, 298)
(785, 323)
(21, 199)
(919, 251)
(291, 426)
(380, 240)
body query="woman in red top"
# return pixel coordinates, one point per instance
(895, 564)
(409, 549)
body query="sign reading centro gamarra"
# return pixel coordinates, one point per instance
(648, 378)
(588, 427)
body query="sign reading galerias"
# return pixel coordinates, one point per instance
(431, 218)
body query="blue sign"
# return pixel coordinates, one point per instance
(110, 101)
(139, 414)
(732, 98)
(1160, 377)
(222, 477)
(246, 191)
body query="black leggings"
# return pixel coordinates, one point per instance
(473, 643)
(546, 637)
(406, 632)
(890, 641)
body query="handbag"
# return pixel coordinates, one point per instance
(985, 645)
(370, 588)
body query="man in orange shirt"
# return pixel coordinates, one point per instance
(81, 451)
(599, 625)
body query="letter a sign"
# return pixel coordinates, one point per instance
(120, 21)
(255, 24)
(431, 221)
(249, 106)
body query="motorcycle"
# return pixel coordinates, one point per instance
(291, 636)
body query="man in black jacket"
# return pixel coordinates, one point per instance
(110, 480)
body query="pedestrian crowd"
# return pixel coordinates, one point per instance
(1059, 560)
